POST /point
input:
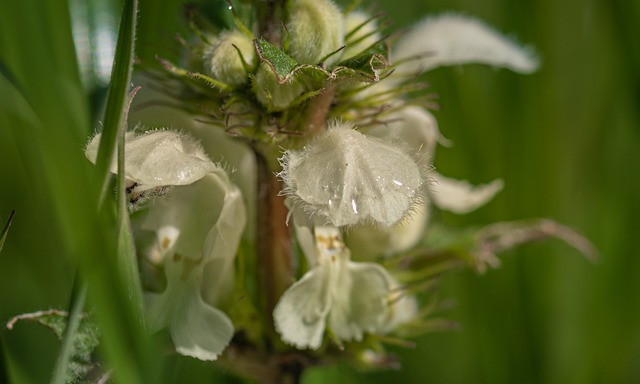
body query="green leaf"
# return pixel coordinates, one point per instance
(118, 90)
(208, 80)
(86, 338)
(45, 132)
(5, 230)
(368, 64)
(281, 63)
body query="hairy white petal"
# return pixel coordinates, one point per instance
(347, 178)
(197, 329)
(359, 304)
(209, 216)
(452, 39)
(460, 196)
(193, 209)
(159, 158)
(222, 243)
(200, 330)
(301, 313)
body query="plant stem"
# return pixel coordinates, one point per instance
(316, 119)
(273, 236)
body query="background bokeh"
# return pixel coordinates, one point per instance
(566, 141)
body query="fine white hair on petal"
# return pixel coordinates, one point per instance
(452, 39)
(159, 158)
(347, 178)
(460, 196)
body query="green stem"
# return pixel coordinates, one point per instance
(76, 308)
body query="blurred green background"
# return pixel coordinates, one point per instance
(566, 140)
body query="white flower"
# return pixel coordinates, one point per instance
(198, 230)
(350, 298)
(417, 128)
(452, 39)
(344, 178)
(197, 226)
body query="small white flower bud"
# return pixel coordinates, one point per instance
(348, 178)
(223, 61)
(316, 29)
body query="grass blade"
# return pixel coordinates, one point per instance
(5, 230)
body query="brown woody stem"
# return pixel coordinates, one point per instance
(316, 120)
(274, 238)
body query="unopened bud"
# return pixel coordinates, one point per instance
(222, 59)
(273, 94)
(316, 29)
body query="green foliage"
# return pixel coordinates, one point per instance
(82, 349)
(281, 63)
(566, 144)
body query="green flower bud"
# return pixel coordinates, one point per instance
(223, 61)
(316, 29)
(271, 93)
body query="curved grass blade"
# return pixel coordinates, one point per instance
(61, 370)
(5, 230)
(118, 89)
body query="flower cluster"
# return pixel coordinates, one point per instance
(324, 109)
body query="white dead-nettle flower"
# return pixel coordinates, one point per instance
(350, 298)
(343, 177)
(417, 128)
(197, 224)
(198, 229)
(156, 160)
(452, 39)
